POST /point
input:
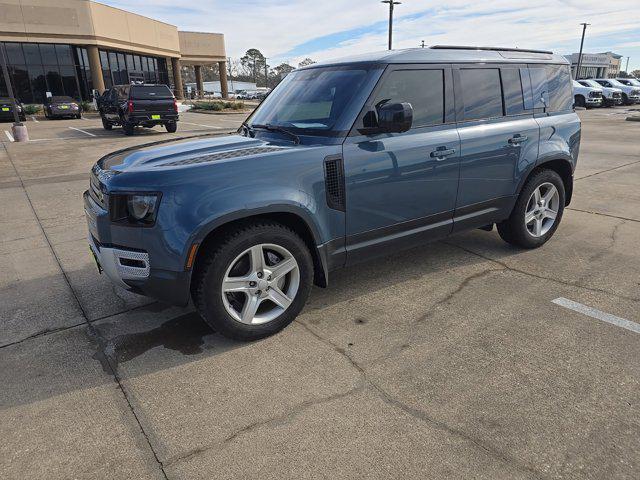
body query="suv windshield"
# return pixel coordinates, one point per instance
(616, 83)
(318, 101)
(150, 92)
(590, 83)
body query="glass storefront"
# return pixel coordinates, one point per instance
(37, 68)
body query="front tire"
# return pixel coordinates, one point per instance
(537, 212)
(254, 281)
(580, 101)
(106, 124)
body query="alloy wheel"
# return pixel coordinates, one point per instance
(542, 209)
(260, 284)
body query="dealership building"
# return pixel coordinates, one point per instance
(596, 65)
(71, 47)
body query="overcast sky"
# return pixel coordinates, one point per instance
(289, 30)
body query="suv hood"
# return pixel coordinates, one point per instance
(178, 153)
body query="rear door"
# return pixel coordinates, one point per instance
(401, 187)
(499, 140)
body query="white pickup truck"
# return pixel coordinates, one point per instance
(630, 94)
(610, 96)
(587, 97)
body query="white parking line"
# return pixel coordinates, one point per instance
(9, 136)
(200, 125)
(598, 314)
(83, 131)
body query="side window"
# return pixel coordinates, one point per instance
(539, 87)
(560, 91)
(481, 93)
(423, 89)
(512, 88)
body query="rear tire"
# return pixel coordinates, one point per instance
(540, 227)
(127, 128)
(171, 127)
(225, 311)
(106, 124)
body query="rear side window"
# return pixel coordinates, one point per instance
(560, 91)
(423, 89)
(149, 93)
(512, 89)
(481, 93)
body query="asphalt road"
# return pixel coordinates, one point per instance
(447, 361)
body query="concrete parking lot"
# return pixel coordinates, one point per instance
(447, 361)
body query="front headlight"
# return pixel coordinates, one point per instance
(19, 108)
(135, 208)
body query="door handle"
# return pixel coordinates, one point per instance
(442, 152)
(516, 139)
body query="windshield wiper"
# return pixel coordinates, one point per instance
(276, 128)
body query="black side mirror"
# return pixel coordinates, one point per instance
(395, 117)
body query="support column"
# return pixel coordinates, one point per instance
(199, 82)
(224, 87)
(177, 78)
(96, 68)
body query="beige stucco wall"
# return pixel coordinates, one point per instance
(86, 23)
(201, 48)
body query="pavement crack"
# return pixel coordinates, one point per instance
(607, 170)
(420, 414)
(93, 332)
(543, 277)
(603, 214)
(277, 420)
(464, 284)
(43, 333)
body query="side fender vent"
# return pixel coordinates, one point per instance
(334, 181)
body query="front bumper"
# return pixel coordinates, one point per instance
(594, 101)
(132, 268)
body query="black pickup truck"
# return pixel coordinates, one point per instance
(138, 105)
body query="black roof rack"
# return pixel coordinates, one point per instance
(493, 49)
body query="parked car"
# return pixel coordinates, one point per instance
(61, 107)
(6, 110)
(630, 94)
(138, 105)
(343, 162)
(610, 96)
(247, 95)
(630, 82)
(587, 97)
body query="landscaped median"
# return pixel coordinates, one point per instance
(220, 107)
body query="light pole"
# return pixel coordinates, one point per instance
(391, 4)
(422, 45)
(584, 29)
(626, 69)
(266, 74)
(19, 130)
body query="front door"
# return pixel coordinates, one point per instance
(499, 141)
(401, 187)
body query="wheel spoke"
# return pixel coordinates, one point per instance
(529, 217)
(536, 195)
(282, 268)
(552, 214)
(279, 298)
(537, 227)
(250, 308)
(257, 258)
(550, 194)
(235, 284)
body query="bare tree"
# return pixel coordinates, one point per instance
(305, 62)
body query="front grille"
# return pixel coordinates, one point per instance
(212, 157)
(95, 190)
(595, 94)
(617, 95)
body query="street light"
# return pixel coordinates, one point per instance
(584, 29)
(422, 44)
(20, 133)
(391, 4)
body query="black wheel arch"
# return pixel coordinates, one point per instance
(562, 166)
(288, 216)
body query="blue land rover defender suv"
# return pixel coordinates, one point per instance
(344, 161)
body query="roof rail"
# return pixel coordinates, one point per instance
(493, 49)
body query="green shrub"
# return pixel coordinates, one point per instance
(31, 109)
(218, 106)
(86, 106)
